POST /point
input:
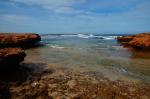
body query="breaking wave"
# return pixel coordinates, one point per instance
(84, 36)
(57, 46)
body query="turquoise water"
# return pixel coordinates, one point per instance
(93, 53)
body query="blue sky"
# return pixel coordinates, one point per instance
(73, 16)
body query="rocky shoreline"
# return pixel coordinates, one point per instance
(35, 81)
(11, 55)
(11, 44)
(137, 41)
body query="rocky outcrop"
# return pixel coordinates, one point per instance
(11, 56)
(18, 40)
(138, 41)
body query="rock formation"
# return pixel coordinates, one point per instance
(11, 56)
(18, 40)
(138, 41)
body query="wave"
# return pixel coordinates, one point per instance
(57, 46)
(84, 36)
(69, 35)
(96, 36)
(109, 37)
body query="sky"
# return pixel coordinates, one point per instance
(75, 16)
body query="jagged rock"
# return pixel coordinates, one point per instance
(18, 40)
(140, 41)
(11, 56)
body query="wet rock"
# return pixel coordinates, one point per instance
(124, 38)
(11, 56)
(18, 40)
(138, 41)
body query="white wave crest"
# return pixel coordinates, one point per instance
(69, 35)
(96, 36)
(57, 46)
(85, 36)
(109, 37)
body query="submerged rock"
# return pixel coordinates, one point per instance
(18, 40)
(63, 84)
(11, 56)
(138, 41)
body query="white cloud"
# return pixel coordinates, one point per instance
(58, 6)
(68, 10)
(13, 17)
(86, 20)
(49, 2)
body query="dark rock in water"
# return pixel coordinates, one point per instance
(98, 38)
(138, 41)
(11, 57)
(18, 40)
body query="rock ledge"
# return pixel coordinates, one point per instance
(11, 56)
(18, 40)
(138, 41)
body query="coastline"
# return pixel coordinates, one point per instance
(37, 80)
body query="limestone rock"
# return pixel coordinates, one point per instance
(139, 41)
(18, 40)
(11, 56)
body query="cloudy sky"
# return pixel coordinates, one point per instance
(71, 16)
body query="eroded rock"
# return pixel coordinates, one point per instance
(18, 40)
(138, 41)
(11, 56)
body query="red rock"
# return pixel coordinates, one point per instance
(136, 41)
(18, 40)
(124, 39)
(11, 56)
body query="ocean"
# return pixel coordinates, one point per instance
(98, 53)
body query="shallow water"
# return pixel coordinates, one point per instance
(98, 53)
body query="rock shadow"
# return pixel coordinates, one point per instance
(135, 53)
(24, 72)
(36, 45)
